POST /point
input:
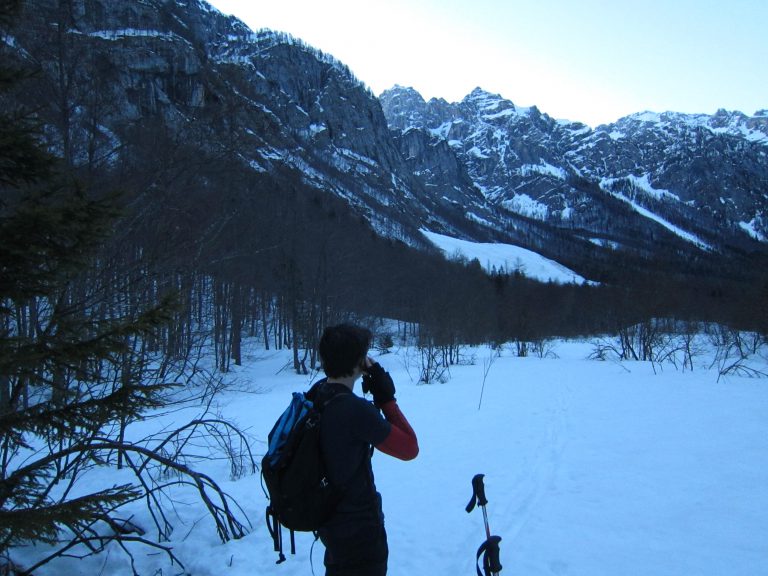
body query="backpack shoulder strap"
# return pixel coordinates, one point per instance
(323, 393)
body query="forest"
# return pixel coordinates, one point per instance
(244, 252)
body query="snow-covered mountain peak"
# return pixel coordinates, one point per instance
(479, 94)
(403, 97)
(732, 123)
(549, 170)
(487, 103)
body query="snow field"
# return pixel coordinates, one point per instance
(505, 257)
(591, 468)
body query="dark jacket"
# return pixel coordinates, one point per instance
(351, 426)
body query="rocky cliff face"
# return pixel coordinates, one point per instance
(114, 64)
(709, 172)
(702, 178)
(139, 78)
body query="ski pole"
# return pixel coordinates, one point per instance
(479, 499)
(489, 549)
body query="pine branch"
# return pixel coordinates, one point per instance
(89, 415)
(42, 522)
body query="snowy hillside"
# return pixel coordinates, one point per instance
(592, 468)
(505, 257)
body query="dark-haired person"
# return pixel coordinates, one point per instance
(355, 539)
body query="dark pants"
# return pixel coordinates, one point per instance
(355, 550)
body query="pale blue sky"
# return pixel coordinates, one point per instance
(587, 60)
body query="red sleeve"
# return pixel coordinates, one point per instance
(401, 441)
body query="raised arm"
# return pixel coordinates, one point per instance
(401, 441)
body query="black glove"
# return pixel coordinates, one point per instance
(378, 382)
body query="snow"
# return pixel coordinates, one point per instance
(505, 257)
(477, 153)
(502, 114)
(475, 218)
(120, 33)
(527, 206)
(544, 168)
(240, 59)
(576, 128)
(642, 183)
(9, 41)
(441, 131)
(308, 172)
(735, 124)
(605, 243)
(647, 116)
(316, 128)
(606, 183)
(751, 229)
(255, 166)
(272, 153)
(591, 469)
(346, 152)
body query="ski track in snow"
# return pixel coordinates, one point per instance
(540, 476)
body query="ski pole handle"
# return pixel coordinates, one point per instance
(478, 493)
(489, 551)
(478, 485)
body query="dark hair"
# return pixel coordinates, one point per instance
(342, 348)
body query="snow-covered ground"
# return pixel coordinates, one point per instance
(505, 257)
(591, 468)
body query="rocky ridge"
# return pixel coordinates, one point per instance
(704, 178)
(671, 185)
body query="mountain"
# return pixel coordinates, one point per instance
(265, 98)
(173, 95)
(644, 180)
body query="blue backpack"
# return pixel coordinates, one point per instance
(300, 496)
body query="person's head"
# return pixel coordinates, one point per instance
(343, 349)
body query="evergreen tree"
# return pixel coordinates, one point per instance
(72, 376)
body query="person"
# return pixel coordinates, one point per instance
(354, 537)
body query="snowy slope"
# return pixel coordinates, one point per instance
(592, 468)
(505, 257)
(644, 185)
